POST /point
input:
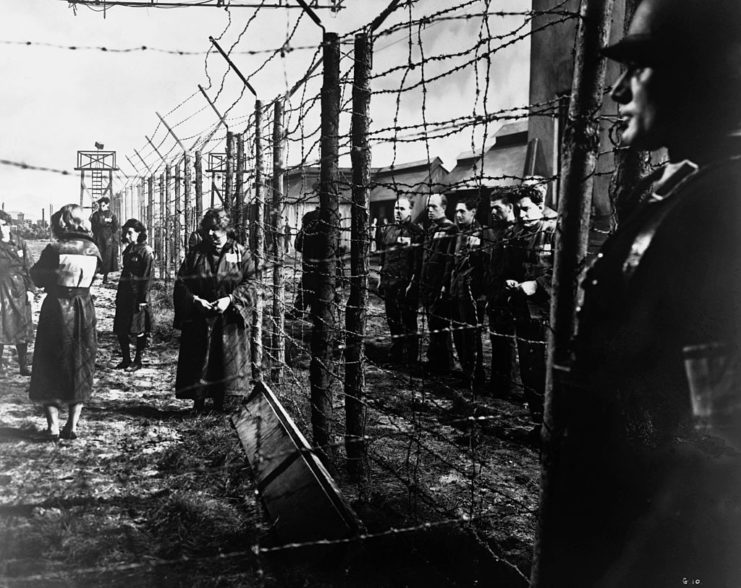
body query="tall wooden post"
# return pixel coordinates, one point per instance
(580, 151)
(142, 200)
(279, 321)
(259, 243)
(199, 188)
(162, 216)
(176, 218)
(322, 310)
(238, 218)
(229, 173)
(359, 246)
(168, 223)
(187, 210)
(150, 208)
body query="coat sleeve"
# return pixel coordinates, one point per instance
(144, 282)
(182, 294)
(545, 261)
(27, 265)
(244, 294)
(44, 271)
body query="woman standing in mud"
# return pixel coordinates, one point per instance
(133, 318)
(16, 294)
(214, 297)
(66, 344)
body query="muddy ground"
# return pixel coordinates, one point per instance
(152, 494)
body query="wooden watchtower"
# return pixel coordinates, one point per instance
(98, 166)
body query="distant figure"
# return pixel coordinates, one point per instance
(307, 244)
(16, 294)
(105, 228)
(434, 285)
(287, 234)
(66, 343)
(214, 298)
(526, 275)
(133, 318)
(467, 293)
(401, 260)
(501, 321)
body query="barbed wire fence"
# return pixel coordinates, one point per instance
(375, 424)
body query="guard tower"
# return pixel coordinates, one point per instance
(98, 166)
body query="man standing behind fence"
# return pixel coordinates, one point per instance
(467, 293)
(401, 259)
(104, 225)
(527, 274)
(437, 263)
(307, 244)
(501, 321)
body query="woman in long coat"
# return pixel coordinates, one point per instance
(104, 226)
(66, 344)
(214, 297)
(16, 294)
(133, 318)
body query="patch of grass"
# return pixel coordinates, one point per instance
(190, 524)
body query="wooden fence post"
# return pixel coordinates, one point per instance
(279, 321)
(229, 173)
(187, 210)
(199, 188)
(167, 223)
(359, 245)
(150, 208)
(176, 218)
(238, 213)
(259, 244)
(580, 152)
(162, 216)
(322, 309)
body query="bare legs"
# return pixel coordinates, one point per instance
(52, 421)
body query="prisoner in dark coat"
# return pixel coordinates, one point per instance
(16, 293)
(105, 233)
(133, 319)
(434, 286)
(214, 299)
(66, 343)
(308, 244)
(401, 261)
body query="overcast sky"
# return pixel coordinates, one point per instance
(58, 101)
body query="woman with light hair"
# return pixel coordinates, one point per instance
(66, 344)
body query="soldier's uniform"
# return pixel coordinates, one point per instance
(437, 262)
(468, 301)
(528, 256)
(662, 298)
(401, 260)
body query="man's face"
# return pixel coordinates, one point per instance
(402, 210)
(530, 212)
(502, 212)
(464, 216)
(435, 208)
(4, 230)
(641, 109)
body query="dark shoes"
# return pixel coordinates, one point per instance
(67, 434)
(137, 365)
(122, 365)
(24, 371)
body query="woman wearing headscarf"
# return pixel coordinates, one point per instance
(214, 297)
(66, 344)
(133, 319)
(16, 294)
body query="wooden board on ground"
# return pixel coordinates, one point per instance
(300, 497)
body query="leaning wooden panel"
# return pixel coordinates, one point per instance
(300, 497)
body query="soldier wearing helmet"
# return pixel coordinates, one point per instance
(647, 486)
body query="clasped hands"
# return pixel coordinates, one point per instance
(219, 305)
(528, 288)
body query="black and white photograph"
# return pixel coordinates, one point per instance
(370, 293)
